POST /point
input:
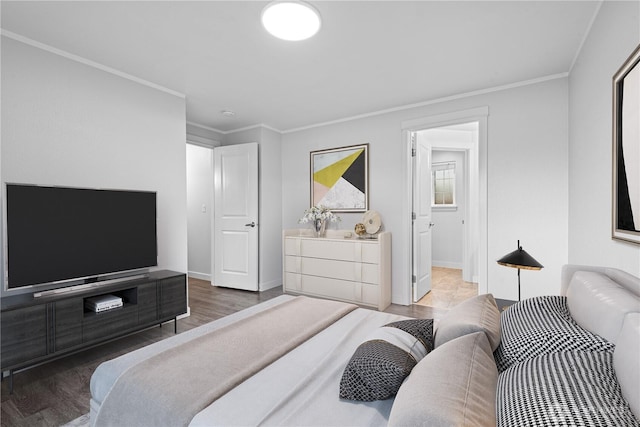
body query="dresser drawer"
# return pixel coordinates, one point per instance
(344, 270)
(340, 289)
(341, 250)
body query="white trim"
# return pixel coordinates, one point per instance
(76, 58)
(446, 119)
(435, 101)
(269, 285)
(198, 125)
(446, 264)
(444, 208)
(202, 142)
(585, 35)
(185, 315)
(406, 292)
(260, 125)
(480, 115)
(201, 276)
(242, 129)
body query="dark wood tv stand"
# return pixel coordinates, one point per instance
(36, 330)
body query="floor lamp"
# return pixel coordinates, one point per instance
(520, 259)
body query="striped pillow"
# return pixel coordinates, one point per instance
(542, 325)
(570, 388)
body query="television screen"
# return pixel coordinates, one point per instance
(59, 234)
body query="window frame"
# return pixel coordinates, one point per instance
(437, 166)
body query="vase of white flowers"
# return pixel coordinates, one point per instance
(318, 216)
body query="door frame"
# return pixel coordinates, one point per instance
(479, 115)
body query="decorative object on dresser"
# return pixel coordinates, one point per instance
(626, 151)
(336, 267)
(340, 178)
(370, 226)
(520, 259)
(318, 217)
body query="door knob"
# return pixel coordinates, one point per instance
(253, 224)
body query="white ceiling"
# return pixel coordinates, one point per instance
(368, 56)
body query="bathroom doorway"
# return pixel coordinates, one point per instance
(461, 138)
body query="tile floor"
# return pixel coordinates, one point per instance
(447, 288)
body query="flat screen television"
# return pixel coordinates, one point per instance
(61, 235)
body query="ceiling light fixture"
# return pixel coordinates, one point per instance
(227, 113)
(291, 20)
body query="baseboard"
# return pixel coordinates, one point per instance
(201, 276)
(270, 285)
(446, 264)
(187, 314)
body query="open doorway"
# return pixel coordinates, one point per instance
(453, 148)
(199, 210)
(451, 278)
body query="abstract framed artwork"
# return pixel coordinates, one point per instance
(626, 151)
(340, 178)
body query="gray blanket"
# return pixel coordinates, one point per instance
(170, 388)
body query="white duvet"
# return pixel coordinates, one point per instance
(299, 389)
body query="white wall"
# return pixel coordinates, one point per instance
(270, 209)
(448, 232)
(65, 123)
(199, 210)
(527, 179)
(614, 35)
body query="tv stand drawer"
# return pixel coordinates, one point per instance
(24, 334)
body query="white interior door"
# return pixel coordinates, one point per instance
(422, 221)
(235, 236)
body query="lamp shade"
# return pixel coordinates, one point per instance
(520, 259)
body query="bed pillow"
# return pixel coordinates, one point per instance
(542, 325)
(381, 363)
(567, 388)
(477, 314)
(454, 386)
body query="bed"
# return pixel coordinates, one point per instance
(292, 361)
(295, 389)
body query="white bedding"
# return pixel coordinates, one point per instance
(300, 388)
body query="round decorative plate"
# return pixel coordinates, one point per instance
(371, 221)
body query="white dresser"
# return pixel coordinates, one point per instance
(346, 269)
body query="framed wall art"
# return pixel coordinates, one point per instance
(340, 178)
(626, 151)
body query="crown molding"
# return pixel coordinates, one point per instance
(102, 67)
(198, 125)
(586, 35)
(434, 101)
(407, 106)
(84, 61)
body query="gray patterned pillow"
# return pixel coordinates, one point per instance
(542, 325)
(381, 363)
(567, 388)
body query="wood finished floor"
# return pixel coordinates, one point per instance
(57, 392)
